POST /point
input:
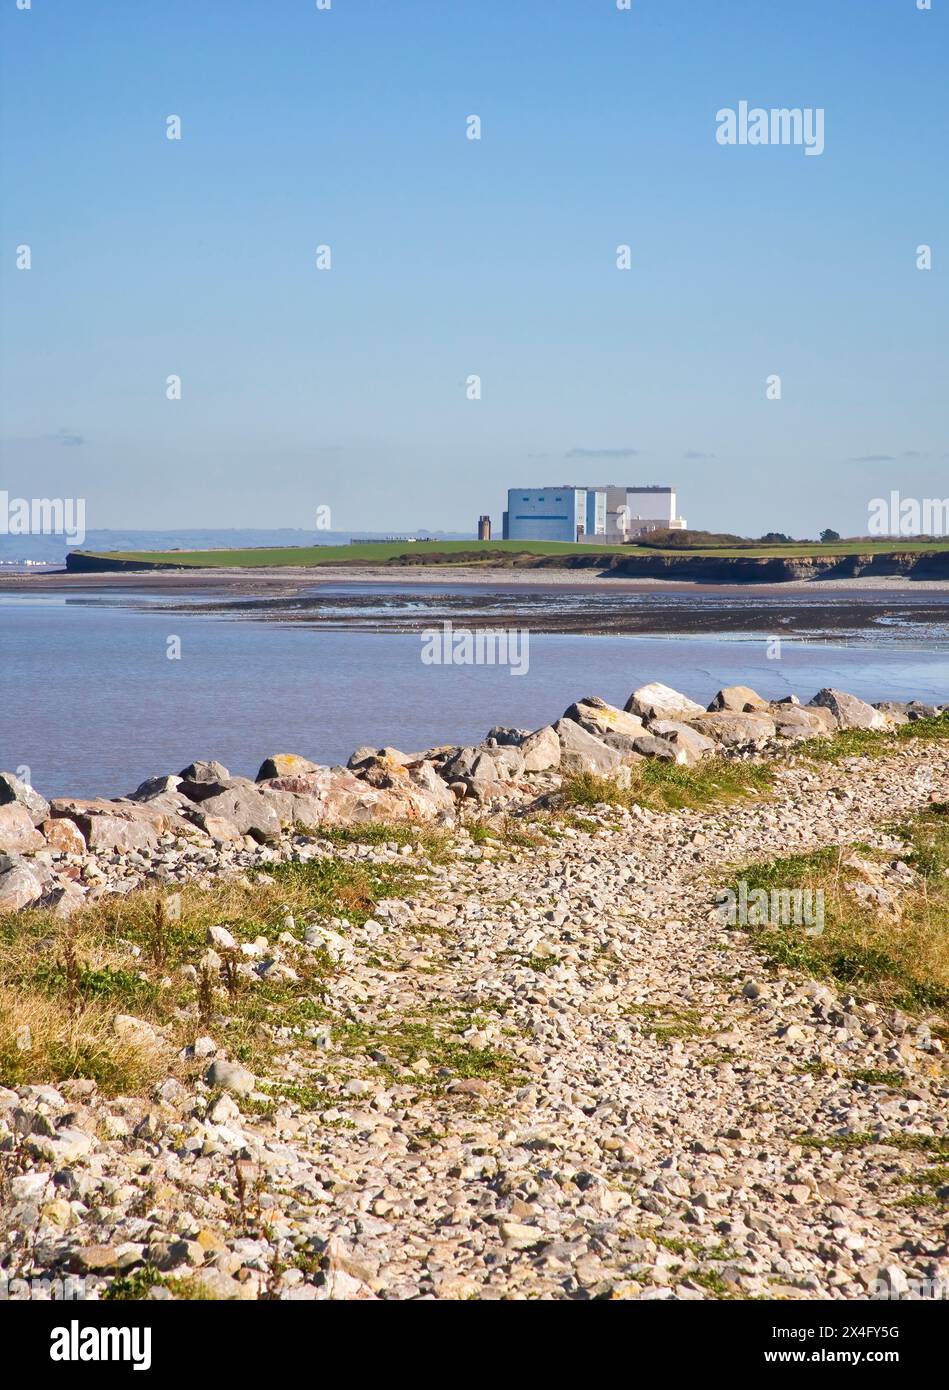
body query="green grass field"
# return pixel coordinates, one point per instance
(493, 552)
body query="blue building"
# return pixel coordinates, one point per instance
(613, 514)
(555, 513)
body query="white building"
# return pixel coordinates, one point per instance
(604, 513)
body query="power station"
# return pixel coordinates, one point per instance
(606, 513)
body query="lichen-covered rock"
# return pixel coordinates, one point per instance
(599, 718)
(285, 765)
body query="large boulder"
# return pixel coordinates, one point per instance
(122, 824)
(541, 750)
(657, 701)
(481, 767)
(738, 699)
(581, 752)
(849, 711)
(63, 899)
(63, 835)
(384, 767)
(205, 772)
(18, 834)
(247, 809)
(624, 744)
(651, 746)
(796, 722)
(15, 792)
(599, 718)
(736, 730)
(696, 746)
(503, 733)
(335, 796)
(285, 765)
(154, 788)
(424, 776)
(21, 883)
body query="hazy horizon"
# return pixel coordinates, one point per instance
(347, 388)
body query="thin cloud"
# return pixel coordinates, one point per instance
(697, 454)
(70, 440)
(874, 458)
(601, 453)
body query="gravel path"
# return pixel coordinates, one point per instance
(643, 1144)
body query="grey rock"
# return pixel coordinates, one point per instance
(736, 730)
(657, 701)
(541, 750)
(205, 772)
(507, 736)
(739, 699)
(20, 884)
(600, 719)
(229, 1076)
(13, 790)
(849, 711)
(582, 752)
(154, 787)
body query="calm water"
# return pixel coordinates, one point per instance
(91, 704)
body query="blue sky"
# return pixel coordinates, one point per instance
(346, 388)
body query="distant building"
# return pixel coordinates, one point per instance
(484, 528)
(606, 513)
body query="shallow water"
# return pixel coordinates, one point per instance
(91, 704)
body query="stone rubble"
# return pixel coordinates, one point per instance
(647, 1142)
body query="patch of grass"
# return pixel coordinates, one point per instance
(136, 1286)
(871, 743)
(339, 887)
(433, 843)
(893, 1079)
(813, 1068)
(712, 1282)
(43, 1041)
(664, 786)
(406, 1041)
(930, 1144)
(64, 982)
(300, 1093)
(541, 963)
(904, 963)
(666, 1024)
(931, 1188)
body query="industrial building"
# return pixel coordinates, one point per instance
(607, 513)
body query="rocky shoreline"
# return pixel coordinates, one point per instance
(62, 853)
(542, 1068)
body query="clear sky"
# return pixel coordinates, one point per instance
(451, 257)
